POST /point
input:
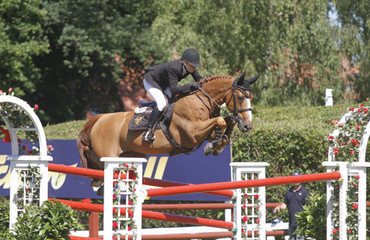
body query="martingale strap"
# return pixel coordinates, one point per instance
(177, 147)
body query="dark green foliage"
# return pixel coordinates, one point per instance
(52, 221)
(312, 219)
(4, 222)
(21, 39)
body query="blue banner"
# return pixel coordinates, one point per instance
(195, 168)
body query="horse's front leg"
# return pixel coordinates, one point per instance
(205, 128)
(220, 142)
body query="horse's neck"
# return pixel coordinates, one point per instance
(217, 87)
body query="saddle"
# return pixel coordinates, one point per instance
(142, 114)
(141, 119)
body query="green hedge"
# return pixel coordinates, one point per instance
(289, 139)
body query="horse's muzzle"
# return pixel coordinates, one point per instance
(245, 128)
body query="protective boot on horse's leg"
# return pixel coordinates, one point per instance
(150, 129)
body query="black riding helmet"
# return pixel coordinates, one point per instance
(191, 56)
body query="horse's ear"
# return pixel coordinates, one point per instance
(253, 79)
(239, 81)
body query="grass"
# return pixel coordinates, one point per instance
(67, 130)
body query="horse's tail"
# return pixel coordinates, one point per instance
(84, 140)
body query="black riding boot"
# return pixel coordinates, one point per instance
(149, 132)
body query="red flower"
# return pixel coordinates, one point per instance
(351, 152)
(352, 109)
(354, 142)
(340, 125)
(366, 110)
(331, 137)
(256, 196)
(354, 206)
(359, 110)
(357, 176)
(334, 122)
(115, 225)
(36, 107)
(245, 218)
(50, 147)
(244, 206)
(358, 127)
(361, 105)
(246, 195)
(258, 221)
(114, 196)
(349, 231)
(336, 151)
(129, 228)
(10, 89)
(130, 202)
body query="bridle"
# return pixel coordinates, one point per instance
(235, 118)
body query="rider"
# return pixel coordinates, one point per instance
(162, 79)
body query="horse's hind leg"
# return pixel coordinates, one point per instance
(94, 163)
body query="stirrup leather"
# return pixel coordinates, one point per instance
(149, 136)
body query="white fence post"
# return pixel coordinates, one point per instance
(20, 163)
(123, 197)
(250, 209)
(343, 187)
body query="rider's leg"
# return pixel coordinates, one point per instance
(161, 101)
(149, 132)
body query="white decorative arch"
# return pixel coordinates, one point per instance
(352, 169)
(22, 162)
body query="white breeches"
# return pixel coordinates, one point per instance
(158, 95)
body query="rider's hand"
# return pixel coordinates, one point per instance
(194, 86)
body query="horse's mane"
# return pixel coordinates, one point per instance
(211, 78)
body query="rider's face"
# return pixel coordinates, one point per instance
(189, 68)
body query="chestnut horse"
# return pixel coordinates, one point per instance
(196, 118)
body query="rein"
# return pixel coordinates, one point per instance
(236, 111)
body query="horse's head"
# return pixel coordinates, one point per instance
(239, 101)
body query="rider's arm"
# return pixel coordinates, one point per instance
(196, 75)
(173, 80)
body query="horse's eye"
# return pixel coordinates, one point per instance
(241, 98)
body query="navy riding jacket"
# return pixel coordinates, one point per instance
(168, 75)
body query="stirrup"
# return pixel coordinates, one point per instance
(149, 136)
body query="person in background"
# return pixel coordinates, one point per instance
(161, 82)
(295, 198)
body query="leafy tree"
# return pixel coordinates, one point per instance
(290, 42)
(21, 40)
(354, 19)
(87, 38)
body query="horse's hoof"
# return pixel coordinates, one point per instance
(208, 149)
(96, 182)
(100, 191)
(216, 153)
